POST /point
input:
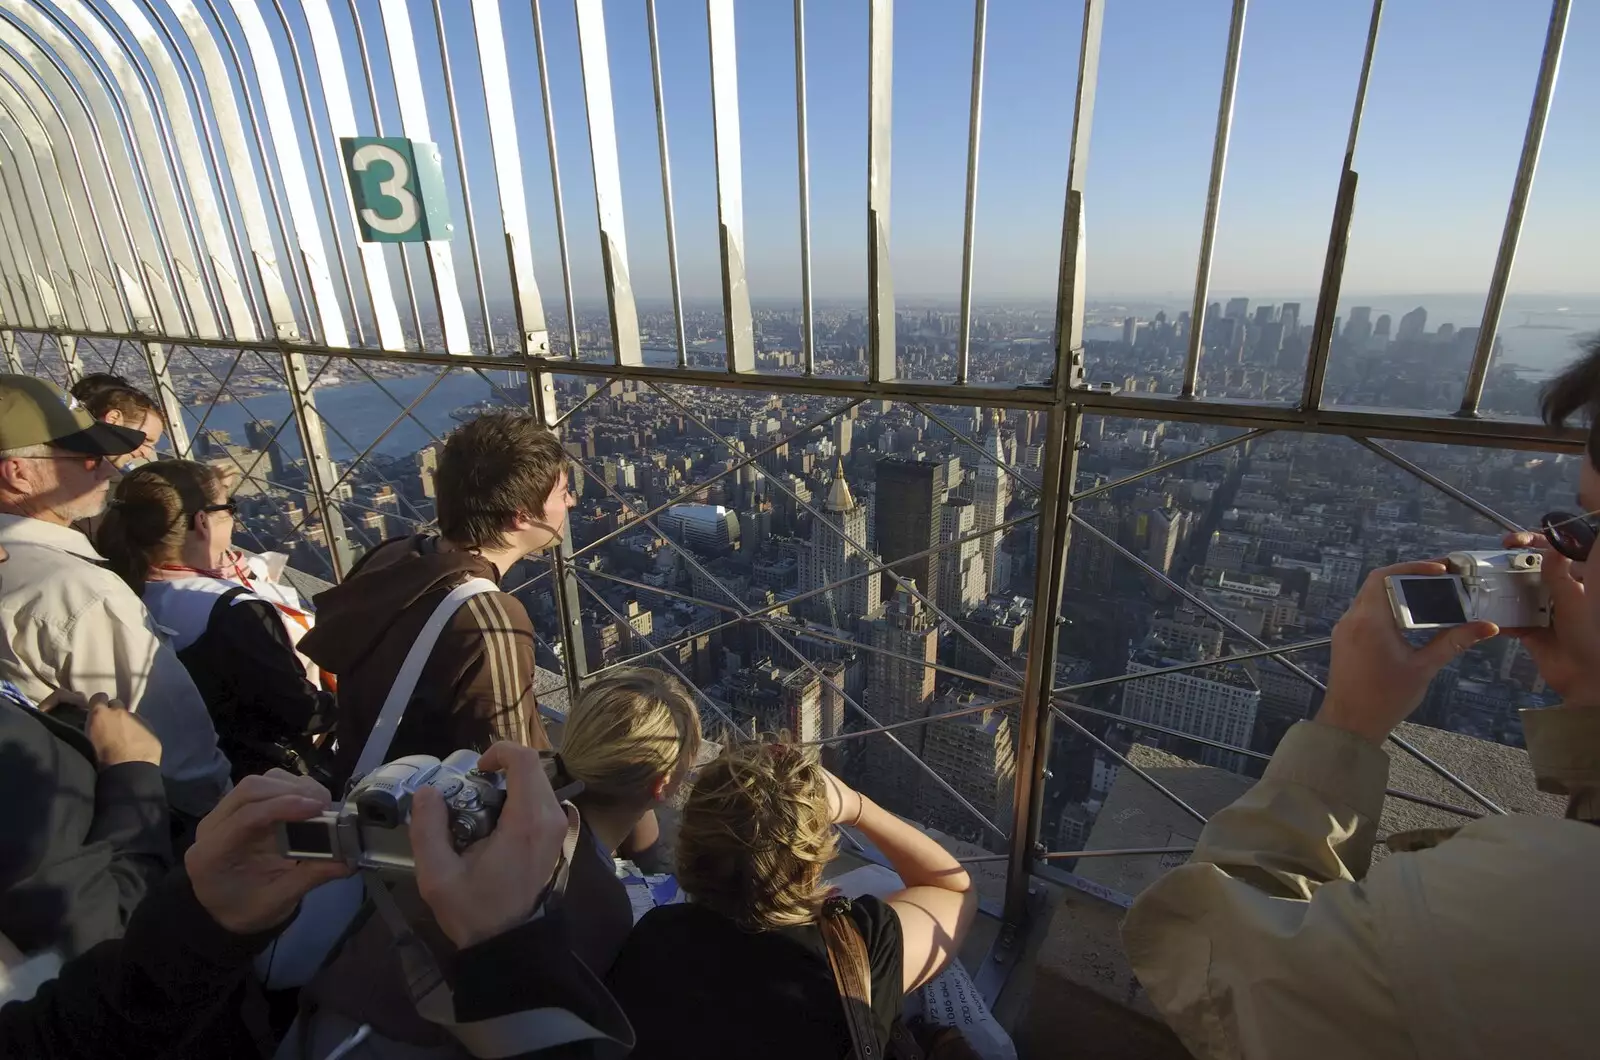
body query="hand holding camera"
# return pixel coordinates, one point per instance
(1377, 678)
(1567, 652)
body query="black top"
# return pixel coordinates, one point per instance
(236, 649)
(597, 905)
(79, 848)
(695, 985)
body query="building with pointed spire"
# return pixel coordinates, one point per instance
(829, 557)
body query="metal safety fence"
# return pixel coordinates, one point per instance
(245, 206)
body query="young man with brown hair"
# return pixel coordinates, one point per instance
(503, 494)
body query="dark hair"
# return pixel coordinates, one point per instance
(151, 513)
(102, 392)
(1577, 390)
(493, 468)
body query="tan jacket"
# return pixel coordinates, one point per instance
(66, 622)
(1276, 940)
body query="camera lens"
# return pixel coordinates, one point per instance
(463, 830)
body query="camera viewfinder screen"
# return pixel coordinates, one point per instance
(309, 837)
(1433, 601)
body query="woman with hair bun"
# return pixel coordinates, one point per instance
(741, 969)
(168, 533)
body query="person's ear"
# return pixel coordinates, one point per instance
(658, 790)
(113, 417)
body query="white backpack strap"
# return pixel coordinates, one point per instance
(405, 682)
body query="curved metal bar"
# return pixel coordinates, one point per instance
(63, 305)
(331, 75)
(16, 86)
(218, 88)
(19, 284)
(880, 282)
(91, 124)
(212, 218)
(980, 22)
(291, 167)
(808, 351)
(185, 142)
(414, 123)
(129, 92)
(473, 247)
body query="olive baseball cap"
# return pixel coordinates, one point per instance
(35, 411)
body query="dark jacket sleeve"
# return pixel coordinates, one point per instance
(266, 676)
(80, 848)
(533, 966)
(130, 815)
(137, 996)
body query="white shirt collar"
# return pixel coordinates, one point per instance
(26, 530)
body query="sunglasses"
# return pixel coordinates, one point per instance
(1571, 535)
(230, 506)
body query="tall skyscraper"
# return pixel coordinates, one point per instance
(261, 435)
(1238, 309)
(1412, 325)
(1130, 331)
(977, 755)
(1358, 332)
(962, 581)
(909, 496)
(900, 687)
(1289, 317)
(1382, 330)
(828, 557)
(991, 496)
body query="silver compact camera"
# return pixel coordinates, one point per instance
(370, 830)
(1505, 588)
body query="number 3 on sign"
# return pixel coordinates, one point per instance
(398, 189)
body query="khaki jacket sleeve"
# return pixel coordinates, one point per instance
(1264, 944)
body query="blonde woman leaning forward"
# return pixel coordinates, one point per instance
(741, 970)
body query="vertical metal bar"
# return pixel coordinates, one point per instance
(1074, 263)
(980, 21)
(70, 361)
(323, 306)
(332, 76)
(803, 138)
(880, 281)
(54, 279)
(1339, 235)
(533, 331)
(555, 180)
(666, 184)
(322, 172)
(461, 174)
(157, 360)
(8, 341)
(1055, 506)
(1208, 231)
(607, 182)
(570, 614)
(738, 328)
(320, 471)
(1532, 141)
(414, 122)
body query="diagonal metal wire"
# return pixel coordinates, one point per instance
(744, 461)
(804, 661)
(978, 448)
(908, 585)
(1123, 760)
(1204, 605)
(1165, 465)
(1221, 660)
(1508, 525)
(1260, 756)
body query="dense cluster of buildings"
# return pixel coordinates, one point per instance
(762, 587)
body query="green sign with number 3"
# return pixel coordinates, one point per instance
(398, 188)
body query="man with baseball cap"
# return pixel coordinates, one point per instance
(67, 622)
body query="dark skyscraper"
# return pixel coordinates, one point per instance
(909, 496)
(262, 436)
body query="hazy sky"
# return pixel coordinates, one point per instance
(1449, 99)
